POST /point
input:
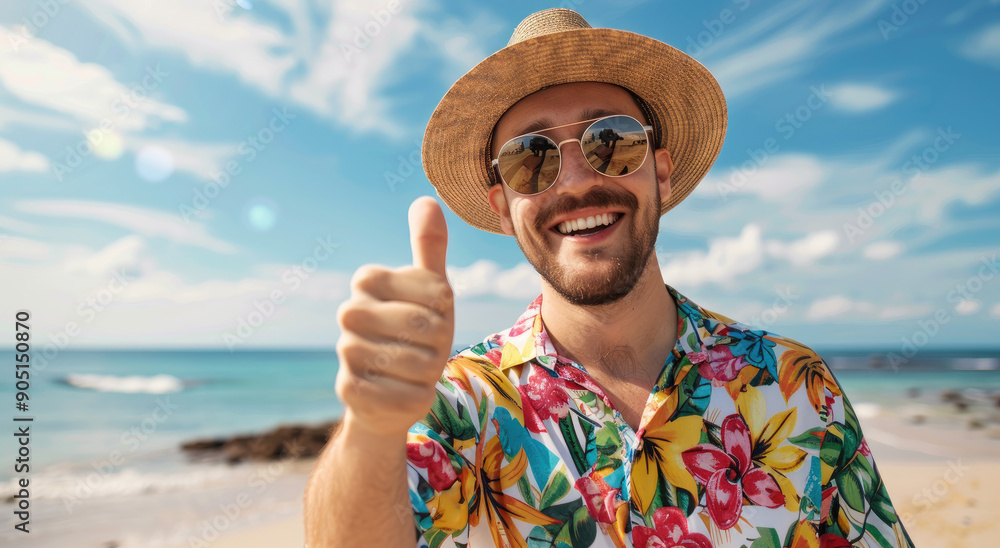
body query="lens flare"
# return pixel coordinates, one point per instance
(154, 163)
(261, 214)
(107, 145)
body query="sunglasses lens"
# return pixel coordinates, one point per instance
(529, 164)
(615, 146)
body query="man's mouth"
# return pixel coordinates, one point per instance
(587, 225)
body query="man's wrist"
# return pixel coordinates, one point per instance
(356, 433)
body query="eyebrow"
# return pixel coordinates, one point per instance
(545, 123)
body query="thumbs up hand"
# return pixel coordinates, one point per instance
(396, 332)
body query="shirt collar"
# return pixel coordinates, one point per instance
(528, 339)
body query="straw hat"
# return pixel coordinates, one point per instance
(687, 108)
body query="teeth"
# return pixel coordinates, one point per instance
(573, 225)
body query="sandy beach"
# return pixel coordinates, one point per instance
(288, 532)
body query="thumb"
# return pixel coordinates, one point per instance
(428, 235)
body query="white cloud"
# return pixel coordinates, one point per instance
(727, 258)
(12, 158)
(968, 306)
(882, 250)
(984, 46)
(122, 254)
(257, 53)
(40, 73)
(344, 74)
(485, 277)
(147, 222)
(782, 178)
(34, 119)
(837, 305)
(12, 247)
(730, 258)
(804, 251)
(936, 189)
(782, 43)
(202, 160)
(9, 223)
(905, 311)
(118, 296)
(860, 97)
(336, 73)
(995, 311)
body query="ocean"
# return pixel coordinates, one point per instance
(88, 404)
(120, 416)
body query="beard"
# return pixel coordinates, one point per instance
(588, 285)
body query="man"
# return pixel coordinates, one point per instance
(615, 412)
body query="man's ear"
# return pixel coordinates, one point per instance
(498, 201)
(664, 167)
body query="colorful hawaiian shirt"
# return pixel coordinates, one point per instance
(746, 440)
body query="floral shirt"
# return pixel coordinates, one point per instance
(746, 440)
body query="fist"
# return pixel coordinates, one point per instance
(397, 329)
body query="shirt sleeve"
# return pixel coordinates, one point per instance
(441, 452)
(856, 506)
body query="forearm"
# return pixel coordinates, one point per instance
(357, 494)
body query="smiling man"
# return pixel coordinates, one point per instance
(615, 412)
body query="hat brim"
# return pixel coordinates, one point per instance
(681, 92)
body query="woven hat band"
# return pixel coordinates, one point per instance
(548, 22)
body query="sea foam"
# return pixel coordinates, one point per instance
(133, 384)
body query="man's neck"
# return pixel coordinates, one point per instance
(628, 340)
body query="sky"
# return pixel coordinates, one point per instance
(210, 173)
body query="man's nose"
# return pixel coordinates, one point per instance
(576, 175)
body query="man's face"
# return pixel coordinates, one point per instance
(598, 265)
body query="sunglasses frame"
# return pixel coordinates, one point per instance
(579, 140)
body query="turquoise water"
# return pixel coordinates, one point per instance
(221, 393)
(214, 393)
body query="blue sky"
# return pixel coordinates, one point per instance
(855, 202)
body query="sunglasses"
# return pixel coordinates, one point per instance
(613, 146)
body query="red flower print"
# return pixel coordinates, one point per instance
(531, 419)
(494, 355)
(718, 364)
(430, 455)
(671, 531)
(527, 320)
(729, 475)
(581, 379)
(547, 394)
(863, 448)
(602, 501)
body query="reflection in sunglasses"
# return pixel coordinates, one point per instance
(614, 146)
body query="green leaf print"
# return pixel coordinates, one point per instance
(582, 529)
(577, 450)
(768, 538)
(556, 489)
(851, 490)
(525, 489)
(609, 445)
(810, 439)
(576, 530)
(444, 419)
